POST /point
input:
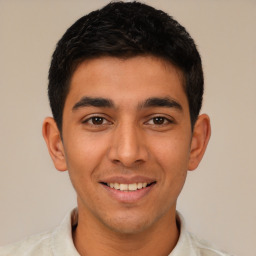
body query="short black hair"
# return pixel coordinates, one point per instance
(124, 30)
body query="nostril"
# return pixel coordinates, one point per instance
(128, 164)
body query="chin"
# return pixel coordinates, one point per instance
(129, 225)
(129, 228)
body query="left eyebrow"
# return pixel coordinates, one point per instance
(93, 102)
(161, 102)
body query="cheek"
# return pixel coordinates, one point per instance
(172, 150)
(83, 154)
(172, 155)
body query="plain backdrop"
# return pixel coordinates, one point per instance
(218, 201)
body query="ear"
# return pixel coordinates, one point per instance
(200, 139)
(54, 143)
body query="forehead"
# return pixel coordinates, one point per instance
(132, 79)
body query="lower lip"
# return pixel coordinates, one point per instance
(128, 196)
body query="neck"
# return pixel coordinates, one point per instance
(91, 238)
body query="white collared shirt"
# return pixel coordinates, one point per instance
(60, 243)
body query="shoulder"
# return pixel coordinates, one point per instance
(189, 244)
(34, 245)
(204, 248)
(57, 242)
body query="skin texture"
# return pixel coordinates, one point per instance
(127, 141)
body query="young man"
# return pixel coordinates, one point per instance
(125, 88)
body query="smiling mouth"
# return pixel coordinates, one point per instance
(128, 187)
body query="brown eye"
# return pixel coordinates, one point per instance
(97, 120)
(97, 123)
(159, 120)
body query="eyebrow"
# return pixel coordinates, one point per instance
(108, 103)
(161, 102)
(93, 102)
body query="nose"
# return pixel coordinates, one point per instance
(128, 147)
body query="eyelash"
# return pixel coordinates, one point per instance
(104, 121)
(90, 120)
(165, 120)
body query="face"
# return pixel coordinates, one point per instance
(126, 140)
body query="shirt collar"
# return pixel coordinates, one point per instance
(184, 245)
(62, 241)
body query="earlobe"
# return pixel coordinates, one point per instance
(54, 143)
(200, 139)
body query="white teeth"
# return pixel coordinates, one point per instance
(117, 186)
(123, 187)
(132, 187)
(127, 187)
(140, 185)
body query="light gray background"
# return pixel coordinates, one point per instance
(218, 200)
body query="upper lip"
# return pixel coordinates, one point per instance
(127, 179)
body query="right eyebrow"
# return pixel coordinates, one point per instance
(93, 102)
